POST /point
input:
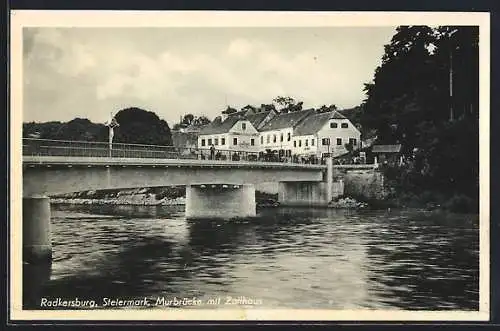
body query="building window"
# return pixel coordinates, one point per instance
(334, 125)
(295, 143)
(352, 141)
(243, 126)
(274, 138)
(222, 141)
(268, 139)
(235, 141)
(210, 142)
(300, 143)
(289, 136)
(262, 140)
(281, 137)
(216, 141)
(344, 125)
(252, 142)
(325, 141)
(307, 142)
(203, 142)
(339, 141)
(312, 142)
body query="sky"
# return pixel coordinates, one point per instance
(90, 72)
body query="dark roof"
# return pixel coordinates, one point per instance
(314, 123)
(220, 127)
(257, 118)
(286, 120)
(386, 148)
(238, 113)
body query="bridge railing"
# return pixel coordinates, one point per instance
(46, 147)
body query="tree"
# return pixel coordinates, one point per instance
(288, 104)
(425, 94)
(76, 129)
(201, 120)
(324, 108)
(188, 119)
(139, 126)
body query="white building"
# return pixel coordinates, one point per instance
(323, 133)
(302, 133)
(234, 132)
(277, 134)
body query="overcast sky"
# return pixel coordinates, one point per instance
(89, 72)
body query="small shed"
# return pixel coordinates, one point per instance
(387, 153)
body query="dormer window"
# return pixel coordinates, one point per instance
(333, 125)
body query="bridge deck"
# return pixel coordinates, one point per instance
(104, 161)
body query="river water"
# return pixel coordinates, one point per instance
(285, 258)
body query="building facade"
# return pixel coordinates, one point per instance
(303, 134)
(277, 135)
(324, 134)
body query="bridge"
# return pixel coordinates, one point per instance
(218, 184)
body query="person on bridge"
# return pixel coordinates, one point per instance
(212, 152)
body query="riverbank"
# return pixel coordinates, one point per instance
(148, 196)
(457, 203)
(171, 196)
(176, 195)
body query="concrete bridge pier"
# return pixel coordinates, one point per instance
(222, 201)
(37, 236)
(303, 194)
(311, 193)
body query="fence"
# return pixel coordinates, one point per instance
(45, 147)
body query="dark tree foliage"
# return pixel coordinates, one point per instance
(139, 126)
(325, 108)
(190, 119)
(288, 104)
(425, 95)
(76, 129)
(136, 126)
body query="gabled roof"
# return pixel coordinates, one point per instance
(257, 118)
(238, 113)
(386, 148)
(315, 122)
(217, 126)
(288, 120)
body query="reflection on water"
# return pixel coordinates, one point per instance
(287, 258)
